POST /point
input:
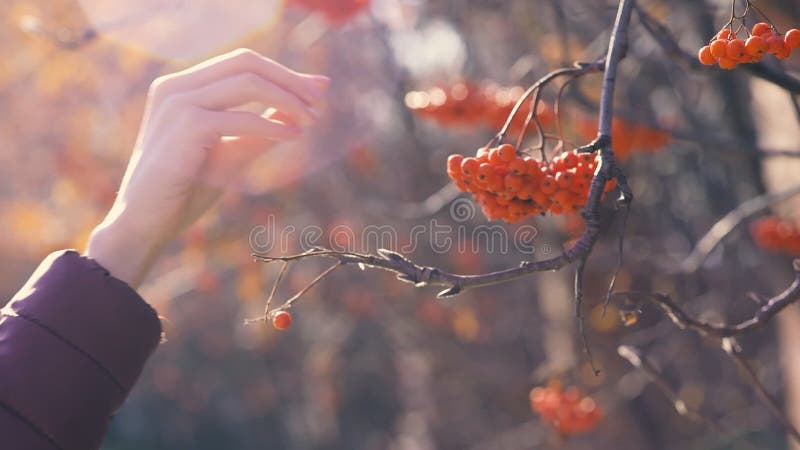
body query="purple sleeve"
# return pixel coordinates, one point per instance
(73, 341)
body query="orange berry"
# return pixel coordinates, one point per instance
(532, 168)
(282, 320)
(580, 186)
(562, 197)
(494, 157)
(719, 48)
(469, 185)
(469, 166)
(495, 183)
(792, 38)
(776, 44)
(783, 53)
(724, 33)
(736, 49)
(761, 28)
(506, 152)
(503, 199)
(517, 166)
(727, 63)
(526, 191)
(548, 184)
(513, 183)
(564, 179)
(705, 56)
(484, 172)
(755, 46)
(454, 163)
(571, 159)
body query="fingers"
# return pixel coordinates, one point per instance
(247, 87)
(240, 123)
(310, 88)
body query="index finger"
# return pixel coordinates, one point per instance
(310, 88)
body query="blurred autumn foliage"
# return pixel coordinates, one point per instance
(370, 363)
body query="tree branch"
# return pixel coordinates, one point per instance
(640, 362)
(727, 224)
(732, 349)
(684, 321)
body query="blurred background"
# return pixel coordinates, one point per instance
(370, 362)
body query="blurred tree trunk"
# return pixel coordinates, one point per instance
(778, 128)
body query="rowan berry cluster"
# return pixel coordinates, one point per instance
(511, 187)
(466, 104)
(628, 137)
(337, 12)
(567, 411)
(777, 235)
(727, 50)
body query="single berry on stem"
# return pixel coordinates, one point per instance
(282, 320)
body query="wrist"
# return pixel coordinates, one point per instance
(123, 249)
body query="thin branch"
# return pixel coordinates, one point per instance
(640, 362)
(288, 303)
(620, 258)
(779, 153)
(577, 70)
(727, 224)
(732, 348)
(275, 285)
(762, 316)
(579, 316)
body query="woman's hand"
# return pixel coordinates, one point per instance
(191, 144)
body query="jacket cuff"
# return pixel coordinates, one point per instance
(79, 301)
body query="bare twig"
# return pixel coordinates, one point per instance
(733, 350)
(727, 224)
(683, 320)
(577, 70)
(620, 259)
(275, 285)
(640, 362)
(579, 315)
(779, 153)
(288, 303)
